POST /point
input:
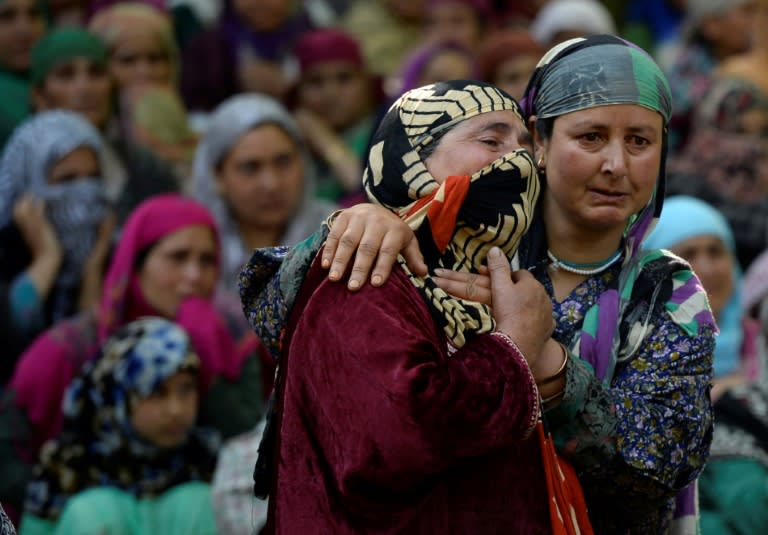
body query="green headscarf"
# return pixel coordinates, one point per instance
(62, 45)
(600, 70)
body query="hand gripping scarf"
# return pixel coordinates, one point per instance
(456, 222)
(98, 446)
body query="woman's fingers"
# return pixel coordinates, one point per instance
(374, 236)
(340, 245)
(470, 287)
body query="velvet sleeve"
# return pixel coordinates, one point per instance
(387, 403)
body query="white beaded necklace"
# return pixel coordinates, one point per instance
(581, 269)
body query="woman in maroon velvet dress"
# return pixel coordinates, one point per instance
(407, 410)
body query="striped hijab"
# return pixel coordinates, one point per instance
(458, 221)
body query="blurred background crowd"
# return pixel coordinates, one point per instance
(147, 147)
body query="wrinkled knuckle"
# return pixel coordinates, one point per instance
(347, 240)
(470, 290)
(388, 250)
(367, 249)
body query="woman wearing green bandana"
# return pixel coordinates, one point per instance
(628, 401)
(21, 26)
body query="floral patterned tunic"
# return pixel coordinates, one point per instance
(636, 443)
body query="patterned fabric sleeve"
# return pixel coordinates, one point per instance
(6, 526)
(637, 443)
(269, 283)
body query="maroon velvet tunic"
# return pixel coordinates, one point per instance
(383, 432)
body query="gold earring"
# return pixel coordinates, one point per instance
(540, 163)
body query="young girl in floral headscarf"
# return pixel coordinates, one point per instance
(129, 458)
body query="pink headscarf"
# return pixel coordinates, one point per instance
(122, 300)
(45, 370)
(151, 221)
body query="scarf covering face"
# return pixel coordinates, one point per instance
(687, 217)
(456, 222)
(75, 209)
(98, 446)
(63, 45)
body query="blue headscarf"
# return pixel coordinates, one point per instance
(687, 217)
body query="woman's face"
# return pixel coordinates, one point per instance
(338, 91)
(167, 415)
(80, 163)
(601, 166)
(447, 65)
(731, 31)
(475, 143)
(79, 85)
(21, 26)
(513, 74)
(262, 178)
(182, 264)
(713, 264)
(456, 22)
(140, 58)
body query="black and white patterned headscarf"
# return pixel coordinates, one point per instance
(456, 222)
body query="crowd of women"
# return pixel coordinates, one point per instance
(326, 266)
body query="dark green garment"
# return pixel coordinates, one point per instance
(733, 496)
(15, 103)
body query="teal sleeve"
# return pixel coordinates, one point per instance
(25, 305)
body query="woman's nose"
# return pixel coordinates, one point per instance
(615, 161)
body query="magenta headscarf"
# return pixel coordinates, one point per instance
(45, 370)
(122, 300)
(152, 220)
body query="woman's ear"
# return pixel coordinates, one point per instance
(539, 143)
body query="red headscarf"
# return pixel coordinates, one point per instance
(327, 44)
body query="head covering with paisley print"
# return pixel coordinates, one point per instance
(456, 222)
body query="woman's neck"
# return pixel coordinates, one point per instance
(580, 246)
(589, 253)
(256, 236)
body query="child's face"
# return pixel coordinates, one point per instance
(338, 91)
(166, 416)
